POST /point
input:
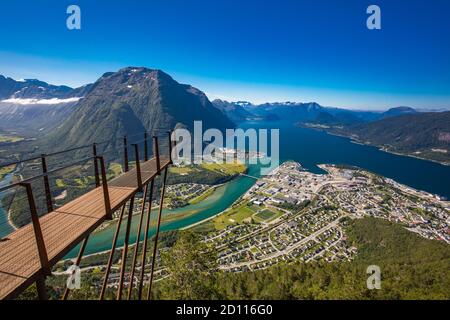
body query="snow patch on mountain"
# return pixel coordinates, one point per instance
(51, 101)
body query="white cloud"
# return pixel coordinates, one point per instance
(40, 101)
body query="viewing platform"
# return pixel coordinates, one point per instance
(28, 254)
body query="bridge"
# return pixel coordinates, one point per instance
(249, 176)
(28, 254)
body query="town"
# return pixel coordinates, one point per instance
(293, 214)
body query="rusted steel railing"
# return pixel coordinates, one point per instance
(101, 181)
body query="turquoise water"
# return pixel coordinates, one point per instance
(220, 200)
(309, 147)
(5, 227)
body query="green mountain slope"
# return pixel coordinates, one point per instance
(426, 135)
(133, 100)
(411, 268)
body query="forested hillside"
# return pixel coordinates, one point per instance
(411, 268)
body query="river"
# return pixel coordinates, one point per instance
(309, 147)
(5, 227)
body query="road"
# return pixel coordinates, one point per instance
(312, 236)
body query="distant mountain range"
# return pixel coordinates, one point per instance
(31, 106)
(235, 111)
(310, 112)
(11, 89)
(401, 129)
(135, 99)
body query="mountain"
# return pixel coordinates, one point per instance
(393, 112)
(33, 119)
(402, 129)
(341, 117)
(287, 111)
(235, 111)
(12, 90)
(32, 106)
(425, 135)
(131, 101)
(311, 113)
(326, 118)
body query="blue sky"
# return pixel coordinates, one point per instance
(284, 50)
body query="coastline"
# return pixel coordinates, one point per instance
(405, 188)
(381, 148)
(8, 212)
(209, 218)
(8, 209)
(11, 223)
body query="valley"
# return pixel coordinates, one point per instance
(294, 216)
(299, 214)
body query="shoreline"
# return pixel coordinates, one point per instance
(214, 216)
(10, 222)
(169, 219)
(381, 148)
(209, 218)
(8, 212)
(405, 188)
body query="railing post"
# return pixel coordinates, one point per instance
(105, 188)
(125, 153)
(40, 287)
(111, 254)
(156, 154)
(48, 194)
(125, 250)
(144, 249)
(138, 166)
(97, 176)
(155, 246)
(145, 147)
(42, 251)
(77, 264)
(170, 147)
(137, 243)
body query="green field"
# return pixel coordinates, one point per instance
(10, 138)
(84, 182)
(226, 168)
(60, 183)
(266, 214)
(115, 168)
(203, 196)
(6, 170)
(180, 170)
(234, 216)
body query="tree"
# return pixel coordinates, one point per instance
(192, 267)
